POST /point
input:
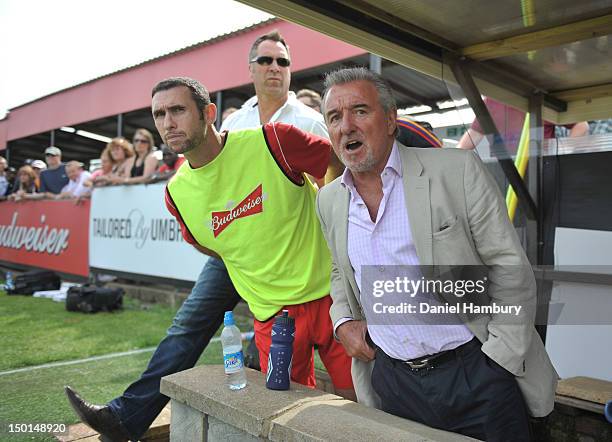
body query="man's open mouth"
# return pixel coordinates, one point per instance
(353, 145)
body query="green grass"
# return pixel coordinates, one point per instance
(38, 396)
(35, 331)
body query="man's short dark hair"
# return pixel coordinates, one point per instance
(272, 36)
(198, 90)
(349, 75)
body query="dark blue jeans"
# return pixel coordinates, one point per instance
(195, 323)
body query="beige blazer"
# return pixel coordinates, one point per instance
(451, 188)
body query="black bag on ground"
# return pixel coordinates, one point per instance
(33, 281)
(91, 299)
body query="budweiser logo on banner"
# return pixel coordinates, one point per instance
(251, 205)
(34, 238)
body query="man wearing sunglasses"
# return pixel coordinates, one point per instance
(201, 314)
(270, 70)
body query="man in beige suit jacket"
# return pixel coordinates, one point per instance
(456, 216)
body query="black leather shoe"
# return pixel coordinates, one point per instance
(98, 417)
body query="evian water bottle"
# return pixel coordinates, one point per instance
(233, 359)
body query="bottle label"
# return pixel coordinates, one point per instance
(234, 362)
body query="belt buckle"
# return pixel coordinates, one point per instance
(418, 365)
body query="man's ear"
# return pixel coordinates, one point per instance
(251, 67)
(210, 113)
(391, 122)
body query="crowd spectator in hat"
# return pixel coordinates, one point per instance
(76, 185)
(26, 179)
(38, 166)
(54, 178)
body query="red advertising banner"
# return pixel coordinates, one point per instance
(46, 234)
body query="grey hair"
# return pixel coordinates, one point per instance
(349, 75)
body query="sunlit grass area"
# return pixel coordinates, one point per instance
(36, 331)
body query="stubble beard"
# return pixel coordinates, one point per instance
(197, 140)
(364, 165)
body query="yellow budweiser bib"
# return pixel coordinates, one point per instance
(243, 207)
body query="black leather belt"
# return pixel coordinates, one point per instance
(431, 361)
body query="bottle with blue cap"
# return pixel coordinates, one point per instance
(233, 358)
(9, 284)
(281, 353)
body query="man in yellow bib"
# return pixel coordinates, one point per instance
(242, 196)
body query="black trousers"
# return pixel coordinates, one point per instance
(468, 394)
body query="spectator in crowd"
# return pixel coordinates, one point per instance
(310, 98)
(105, 170)
(139, 168)
(213, 293)
(227, 112)
(509, 122)
(38, 166)
(120, 151)
(415, 134)
(11, 176)
(172, 161)
(54, 178)
(26, 179)
(4, 182)
(76, 187)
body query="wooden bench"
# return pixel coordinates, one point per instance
(584, 393)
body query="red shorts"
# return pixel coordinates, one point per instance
(312, 327)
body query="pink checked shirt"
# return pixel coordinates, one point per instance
(388, 242)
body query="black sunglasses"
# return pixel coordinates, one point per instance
(266, 60)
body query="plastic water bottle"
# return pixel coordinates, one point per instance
(281, 353)
(9, 284)
(233, 359)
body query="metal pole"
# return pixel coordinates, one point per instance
(219, 101)
(534, 176)
(536, 229)
(119, 125)
(375, 63)
(52, 138)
